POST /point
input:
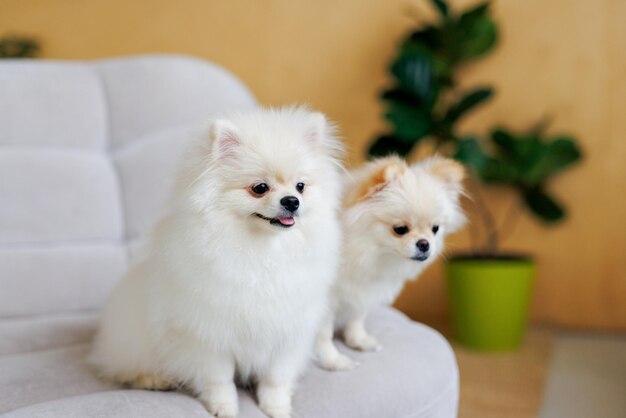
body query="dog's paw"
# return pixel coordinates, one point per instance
(221, 401)
(363, 343)
(276, 410)
(338, 363)
(222, 410)
(275, 401)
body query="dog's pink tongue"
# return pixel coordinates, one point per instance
(286, 221)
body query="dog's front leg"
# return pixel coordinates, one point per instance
(326, 353)
(275, 387)
(215, 385)
(357, 338)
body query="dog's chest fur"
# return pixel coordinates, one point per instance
(251, 295)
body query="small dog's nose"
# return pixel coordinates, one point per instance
(422, 245)
(291, 203)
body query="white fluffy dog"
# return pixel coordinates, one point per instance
(395, 219)
(234, 282)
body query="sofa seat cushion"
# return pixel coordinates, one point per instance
(415, 375)
(23, 335)
(117, 404)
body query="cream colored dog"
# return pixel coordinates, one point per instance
(395, 219)
(235, 280)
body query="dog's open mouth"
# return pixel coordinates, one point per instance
(283, 221)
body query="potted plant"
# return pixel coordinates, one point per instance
(18, 47)
(489, 290)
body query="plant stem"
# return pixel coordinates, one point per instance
(511, 217)
(473, 235)
(491, 245)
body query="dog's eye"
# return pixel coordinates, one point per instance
(435, 229)
(401, 230)
(260, 189)
(300, 187)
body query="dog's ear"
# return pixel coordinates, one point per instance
(386, 174)
(320, 133)
(386, 170)
(224, 138)
(449, 171)
(316, 129)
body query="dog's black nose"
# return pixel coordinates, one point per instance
(422, 245)
(291, 203)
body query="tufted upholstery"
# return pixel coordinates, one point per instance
(87, 153)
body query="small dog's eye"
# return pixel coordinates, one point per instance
(435, 229)
(300, 187)
(260, 189)
(401, 230)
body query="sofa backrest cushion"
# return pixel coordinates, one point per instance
(87, 156)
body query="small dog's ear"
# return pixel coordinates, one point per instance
(387, 171)
(451, 172)
(224, 139)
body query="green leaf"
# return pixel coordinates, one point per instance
(519, 152)
(443, 70)
(488, 168)
(534, 157)
(499, 171)
(399, 95)
(543, 206)
(476, 33)
(467, 102)
(428, 37)
(17, 47)
(470, 153)
(414, 72)
(410, 123)
(557, 155)
(442, 7)
(479, 11)
(389, 144)
(505, 142)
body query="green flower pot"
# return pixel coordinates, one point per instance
(489, 300)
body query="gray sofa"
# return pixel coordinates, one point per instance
(87, 151)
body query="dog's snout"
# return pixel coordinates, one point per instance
(422, 245)
(291, 203)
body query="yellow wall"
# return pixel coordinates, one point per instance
(560, 58)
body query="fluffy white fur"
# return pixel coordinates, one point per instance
(377, 261)
(222, 294)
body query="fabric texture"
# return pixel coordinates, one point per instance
(88, 152)
(51, 105)
(414, 375)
